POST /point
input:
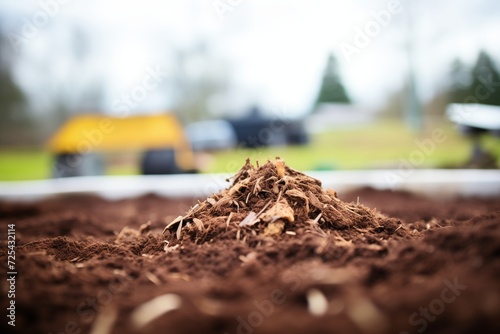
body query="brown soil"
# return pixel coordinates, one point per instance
(305, 261)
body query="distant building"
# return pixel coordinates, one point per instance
(334, 115)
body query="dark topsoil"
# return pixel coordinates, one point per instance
(304, 261)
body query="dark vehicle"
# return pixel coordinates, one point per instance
(258, 130)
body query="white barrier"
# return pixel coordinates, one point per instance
(429, 182)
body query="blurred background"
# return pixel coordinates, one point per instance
(153, 86)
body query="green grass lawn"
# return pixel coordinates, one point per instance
(27, 164)
(379, 145)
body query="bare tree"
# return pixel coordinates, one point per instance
(15, 122)
(197, 77)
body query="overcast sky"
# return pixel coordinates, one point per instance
(274, 51)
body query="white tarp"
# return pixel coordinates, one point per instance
(476, 115)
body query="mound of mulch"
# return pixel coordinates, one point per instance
(276, 201)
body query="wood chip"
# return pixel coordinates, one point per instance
(314, 200)
(179, 230)
(104, 321)
(199, 224)
(223, 201)
(193, 209)
(250, 219)
(275, 228)
(170, 249)
(332, 193)
(229, 219)
(280, 210)
(237, 187)
(317, 304)
(248, 197)
(257, 186)
(280, 167)
(181, 276)
(145, 227)
(154, 308)
(299, 194)
(249, 257)
(366, 315)
(210, 306)
(175, 221)
(152, 277)
(126, 234)
(374, 247)
(120, 272)
(340, 241)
